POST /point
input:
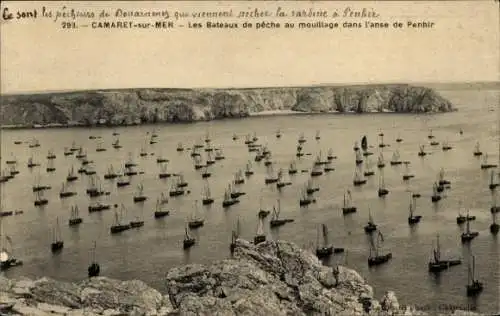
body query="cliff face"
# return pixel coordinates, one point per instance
(134, 106)
(273, 278)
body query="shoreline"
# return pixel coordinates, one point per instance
(268, 113)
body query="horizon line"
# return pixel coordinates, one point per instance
(251, 87)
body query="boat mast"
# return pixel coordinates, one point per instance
(325, 235)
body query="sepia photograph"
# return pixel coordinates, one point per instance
(250, 158)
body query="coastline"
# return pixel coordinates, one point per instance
(268, 113)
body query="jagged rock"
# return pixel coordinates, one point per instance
(135, 106)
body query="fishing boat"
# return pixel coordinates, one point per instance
(412, 218)
(380, 161)
(468, 235)
(160, 159)
(74, 147)
(317, 137)
(477, 150)
(442, 180)
(40, 200)
(293, 168)
(381, 143)
(302, 138)
(195, 221)
(493, 184)
(494, 227)
(34, 143)
(51, 155)
(330, 155)
(209, 160)
(110, 173)
(281, 180)
(130, 171)
(198, 144)
(119, 226)
(328, 167)
(376, 258)
(181, 182)
(228, 200)
(276, 221)
(175, 190)
(474, 286)
(188, 241)
(143, 152)
(238, 178)
(123, 181)
(198, 163)
(446, 146)
(396, 160)
(325, 249)
(163, 171)
(98, 206)
(304, 198)
(494, 207)
(81, 154)
(38, 186)
(206, 173)
(359, 158)
(299, 152)
(207, 195)
(139, 196)
(50, 166)
(93, 269)
(436, 264)
(436, 196)
(270, 178)
(235, 193)
(262, 212)
(430, 136)
(71, 175)
(7, 258)
(248, 169)
(421, 152)
(235, 234)
(407, 174)
(267, 160)
(485, 164)
(464, 218)
(99, 147)
(219, 154)
(13, 171)
(370, 226)
(57, 242)
(31, 163)
(260, 236)
(359, 179)
(64, 192)
(180, 147)
(89, 170)
(347, 207)
(434, 143)
(311, 187)
(137, 222)
(75, 218)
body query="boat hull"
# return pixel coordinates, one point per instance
(378, 260)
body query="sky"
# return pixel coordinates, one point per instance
(39, 55)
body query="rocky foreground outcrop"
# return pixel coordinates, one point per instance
(134, 106)
(273, 278)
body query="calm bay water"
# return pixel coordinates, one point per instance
(148, 253)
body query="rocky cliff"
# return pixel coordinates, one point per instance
(273, 278)
(133, 106)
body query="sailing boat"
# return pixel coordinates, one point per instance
(421, 152)
(330, 155)
(81, 154)
(375, 257)
(110, 173)
(358, 177)
(276, 221)
(474, 287)
(207, 196)
(235, 234)
(442, 181)
(219, 155)
(477, 150)
(399, 139)
(99, 147)
(293, 168)
(57, 242)
(370, 226)
(278, 133)
(407, 175)
(40, 187)
(137, 222)
(163, 172)
(13, 171)
(396, 159)
(94, 269)
(228, 199)
(270, 178)
(160, 159)
(139, 196)
(188, 241)
(159, 212)
(143, 152)
(50, 166)
(281, 180)
(436, 197)
(317, 137)
(260, 236)
(181, 183)
(31, 163)
(262, 212)
(118, 225)
(175, 189)
(235, 193)
(7, 259)
(325, 249)
(130, 162)
(356, 146)
(238, 177)
(116, 144)
(248, 169)
(348, 208)
(430, 136)
(40, 200)
(123, 181)
(494, 227)
(11, 161)
(75, 218)
(64, 193)
(302, 138)
(437, 264)
(311, 187)
(180, 147)
(446, 146)
(198, 163)
(413, 219)
(67, 151)
(380, 161)
(485, 164)
(493, 184)
(195, 221)
(304, 199)
(368, 170)
(359, 158)
(71, 175)
(468, 235)
(381, 144)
